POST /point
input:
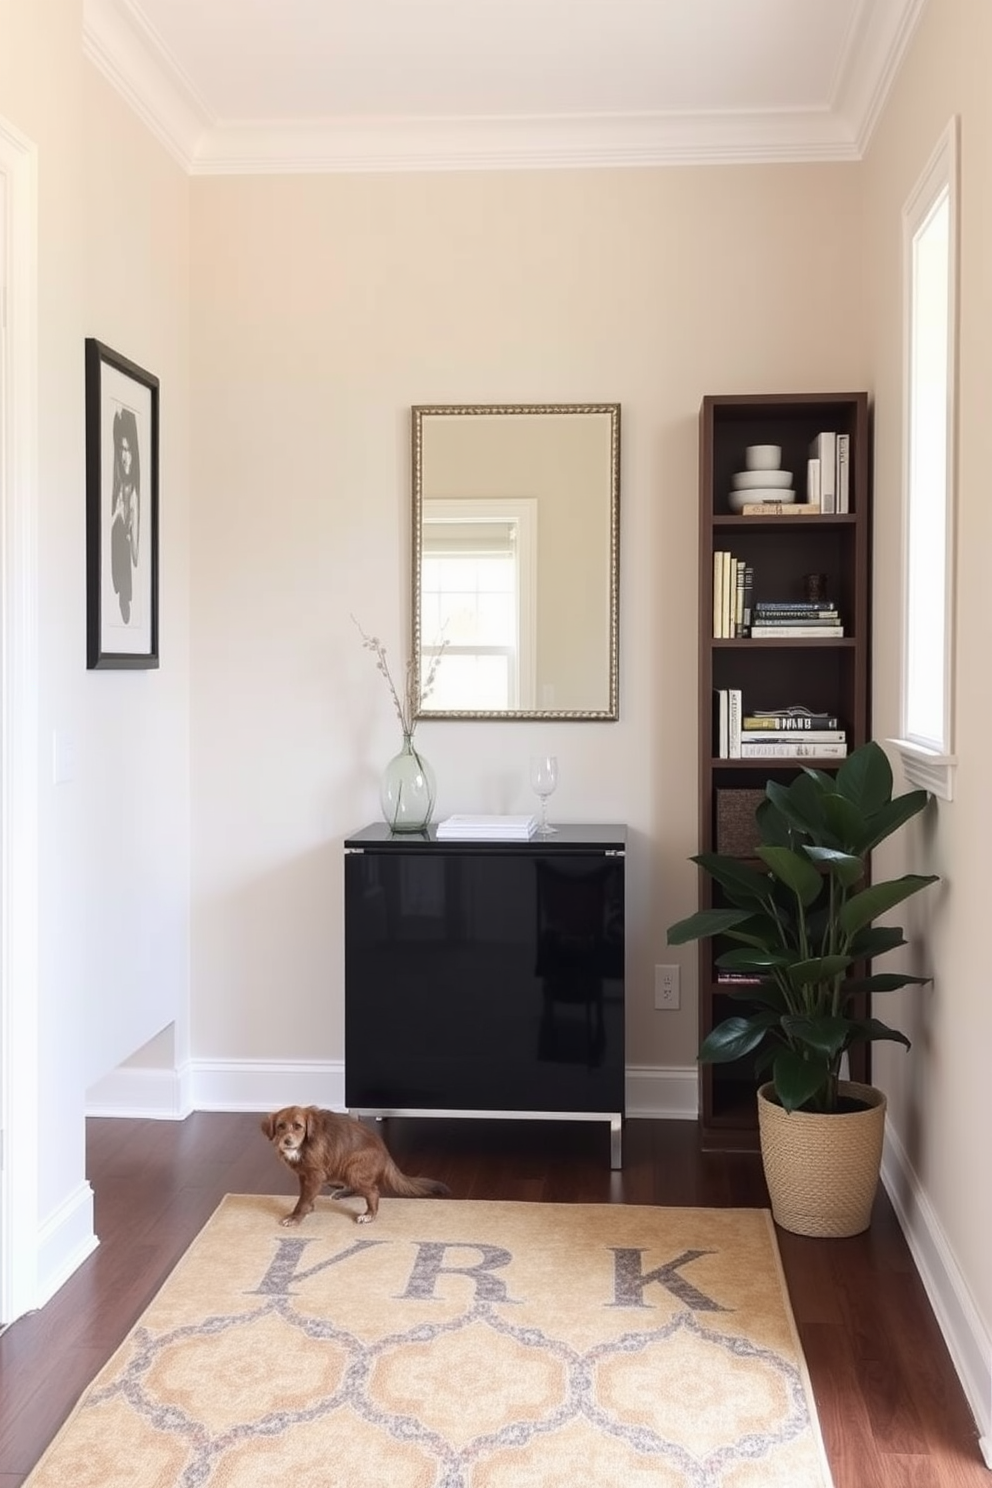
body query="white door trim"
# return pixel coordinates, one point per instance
(19, 1032)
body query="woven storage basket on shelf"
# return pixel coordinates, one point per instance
(736, 829)
(822, 1170)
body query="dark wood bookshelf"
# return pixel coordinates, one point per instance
(829, 674)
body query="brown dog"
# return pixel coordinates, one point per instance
(324, 1147)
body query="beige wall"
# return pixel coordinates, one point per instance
(939, 1093)
(323, 308)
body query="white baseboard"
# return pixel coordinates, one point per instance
(665, 1093)
(154, 1093)
(65, 1239)
(968, 1341)
(266, 1085)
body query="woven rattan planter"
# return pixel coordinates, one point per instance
(822, 1171)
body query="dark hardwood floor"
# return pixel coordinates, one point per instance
(891, 1408)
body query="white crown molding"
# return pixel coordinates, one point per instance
(135, 63)
(132, 58)
(525, 143)
(876, 45)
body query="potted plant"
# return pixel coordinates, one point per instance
(805, 926)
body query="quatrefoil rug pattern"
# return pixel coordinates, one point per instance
(457, 1344)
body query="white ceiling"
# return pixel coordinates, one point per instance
(294, 85)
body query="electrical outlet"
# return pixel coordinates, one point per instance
(667, 995)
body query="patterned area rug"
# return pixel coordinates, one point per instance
(457, 1344)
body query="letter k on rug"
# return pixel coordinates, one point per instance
(457, 1344)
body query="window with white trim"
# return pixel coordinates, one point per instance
(478, 567)
(929, 447)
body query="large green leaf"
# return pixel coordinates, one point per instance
(818, 969)
(846, 868)
(862, 908)
(704, 923)
(765, 1057)
(825, 1035)
(753, 959)
(759, 931)
(772, 825)
(824, 783)
(865, 778)
(884, 981)
(892, 816)
(869, 1030)
(743, 886)
(844, 827)
(794, 870)
(798, 1080)
(799, 803)
(735, 1037)
(876, 940)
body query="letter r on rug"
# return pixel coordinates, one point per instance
(629, 1281)
(428, 1267)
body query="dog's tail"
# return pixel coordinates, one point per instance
(405, 1187)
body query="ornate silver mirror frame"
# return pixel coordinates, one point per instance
(516, 560)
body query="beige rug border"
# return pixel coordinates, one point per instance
(502, 1204)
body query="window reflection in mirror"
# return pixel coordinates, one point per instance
(515, 559)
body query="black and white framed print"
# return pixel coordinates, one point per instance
(121, 511)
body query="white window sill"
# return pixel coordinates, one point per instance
(926, 768)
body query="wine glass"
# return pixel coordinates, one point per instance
(543, 779)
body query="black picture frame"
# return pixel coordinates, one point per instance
(122, 475)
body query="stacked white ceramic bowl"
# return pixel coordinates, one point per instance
(762, 479)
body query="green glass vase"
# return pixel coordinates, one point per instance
(408, 790)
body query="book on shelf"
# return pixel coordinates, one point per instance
(843, 472)
(728, 709)
(733, 583)
(471, 828)
(793, 606)
(796, 748)
(813, 482)
(824, 449)
(763, 616)
(724, 581)
(721, 735)
(735, 712)
(811, 621)
(814, 607)
(788, 736)
(748, 600)
(772, 508)
(795, 632)
(787, 722)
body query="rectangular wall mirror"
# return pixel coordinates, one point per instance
(516, 533)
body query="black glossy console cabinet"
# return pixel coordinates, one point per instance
(486, 978)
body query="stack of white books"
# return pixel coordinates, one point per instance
(501, 828)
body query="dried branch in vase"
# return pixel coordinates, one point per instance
(405, 701)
